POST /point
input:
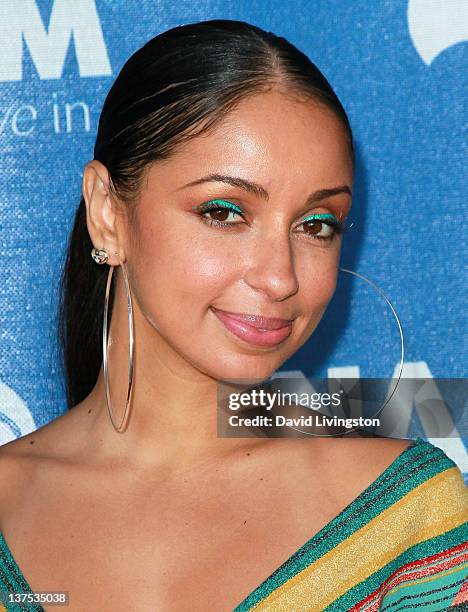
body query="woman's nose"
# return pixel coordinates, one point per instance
(271, 267)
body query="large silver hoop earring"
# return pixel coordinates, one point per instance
(118, 428)
(402, 353)
(400, 329)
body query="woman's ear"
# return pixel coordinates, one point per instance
(101, 217)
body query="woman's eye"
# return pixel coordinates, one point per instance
(220, 213)
(322, 226)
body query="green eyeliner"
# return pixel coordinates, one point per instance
(320, 217)
(223, 204)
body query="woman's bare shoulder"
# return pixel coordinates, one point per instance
(372, 455)
(16, 470)
(357, 449)
(381, 450)
(21, 460)
(348, 466)
(32, 445)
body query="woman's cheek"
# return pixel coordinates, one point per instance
(183, 271)
(204, 268)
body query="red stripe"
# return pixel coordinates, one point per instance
(462, 595)
(406, 567)
(428, 571)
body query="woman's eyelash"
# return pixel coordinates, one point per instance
(222, 205)
(327, 219)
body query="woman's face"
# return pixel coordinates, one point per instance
(252, 254)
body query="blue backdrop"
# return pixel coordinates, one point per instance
(399, 68)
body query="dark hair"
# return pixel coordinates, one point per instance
(179, 84)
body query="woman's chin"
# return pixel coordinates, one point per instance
(243, 374)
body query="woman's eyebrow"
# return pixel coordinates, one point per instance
(235, 181)
(259, 191)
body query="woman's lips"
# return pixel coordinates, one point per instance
(254, 329)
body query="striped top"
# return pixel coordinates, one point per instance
(401, 545)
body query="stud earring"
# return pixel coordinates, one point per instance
(100, 256)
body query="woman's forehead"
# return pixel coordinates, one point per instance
(263, 136)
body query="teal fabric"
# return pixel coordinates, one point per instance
(12, 580)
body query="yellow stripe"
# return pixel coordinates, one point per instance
(434, 507)
(440, 574)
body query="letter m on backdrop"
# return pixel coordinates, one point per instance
(20, 21)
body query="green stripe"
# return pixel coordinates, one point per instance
(420, 461)
(11, 579)
(445, 584)
(10, 576)
(430, 547)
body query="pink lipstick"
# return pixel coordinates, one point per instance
(255, 329)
